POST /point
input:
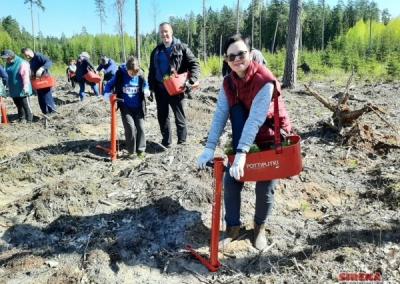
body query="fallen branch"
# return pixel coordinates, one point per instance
(385, 120)
(320, 98)
(106, 202)
(86, 246)
(346, 95)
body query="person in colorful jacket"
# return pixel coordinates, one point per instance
(132, 89)
(108, 67)
(19, 84)
(245, 97)
(171, 56)
(40, 66)
(3, 75)
(83, 65)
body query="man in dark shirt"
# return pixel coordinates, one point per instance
(40, 66)
(171, 56)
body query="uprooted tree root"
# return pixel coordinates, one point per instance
(362, 135)
(346, 123)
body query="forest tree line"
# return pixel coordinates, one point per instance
(358, 29)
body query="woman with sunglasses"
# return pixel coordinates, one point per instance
(245, 98)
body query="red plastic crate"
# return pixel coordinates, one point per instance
(273, 164)
(175, 84)
(280, 162)
(43, 82)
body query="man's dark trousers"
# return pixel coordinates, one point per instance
(164, 100)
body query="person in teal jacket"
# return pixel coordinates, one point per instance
(19, 84)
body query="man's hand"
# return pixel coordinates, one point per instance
(237, 169)
(39, 72)
(189, 85)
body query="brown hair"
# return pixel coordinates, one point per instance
(132, 64)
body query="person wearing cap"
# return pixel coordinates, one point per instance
(19, 84)
(83, 65)
(108, 67)
(40, 66)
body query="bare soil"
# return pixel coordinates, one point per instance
(69, 215)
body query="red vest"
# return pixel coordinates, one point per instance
(245, 90)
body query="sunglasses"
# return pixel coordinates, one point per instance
(231, 57)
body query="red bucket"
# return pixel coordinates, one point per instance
(281, 162)
(43, 82)
(268, 164)
(92, 77)
(175, 84)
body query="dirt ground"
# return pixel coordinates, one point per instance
(69, 215)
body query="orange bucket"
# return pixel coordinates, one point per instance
(280, 162)
(268, 164)
(175, 84)
(43, 82)
(92, 77)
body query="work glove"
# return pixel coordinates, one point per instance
(237, 169)
(39, 72)
(107, 97)
(205, 157)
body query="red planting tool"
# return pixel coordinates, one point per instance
(4, 118)
(213, 263)
(112, 151)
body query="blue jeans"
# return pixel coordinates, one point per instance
(265, 190)
(46, 101)
(82, 93)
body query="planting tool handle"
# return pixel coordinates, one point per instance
(277, 127)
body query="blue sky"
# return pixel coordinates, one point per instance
(69, 16)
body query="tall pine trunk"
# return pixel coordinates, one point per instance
(237, 17)
(33, 28)
(137, 14)
(292, 44)
(323, 26)
(273, 41)
(252, 25)
(204, 32)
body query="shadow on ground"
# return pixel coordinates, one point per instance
(128, 236)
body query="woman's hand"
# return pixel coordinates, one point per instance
(237, 169)
(206, 156)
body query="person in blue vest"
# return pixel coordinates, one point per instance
(131, 87)
(19, 84)
(40, 66)
(108, 67)
(83, 65)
